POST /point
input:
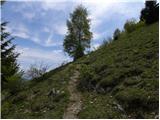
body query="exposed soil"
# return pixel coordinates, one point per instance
(75, 103)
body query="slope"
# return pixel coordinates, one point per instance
(125, 75)
(119, 80)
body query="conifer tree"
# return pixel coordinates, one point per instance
(150, 13)
(116, 34)
(9, 66)
(78, 36)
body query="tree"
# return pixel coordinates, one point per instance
(130, 25)
(116, 34)
(78, 36)
(2, 2)
(150, 13)
(9, 63)
(36, 70)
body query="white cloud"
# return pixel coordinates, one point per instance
(22, 31)
(29, 15)
(95, 46)
(54, 5)
(18, 30)
(32, 55)
(49, 41)
(60, 29)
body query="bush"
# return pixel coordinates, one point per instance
(116, 34)
(106, 42)
(87, 78)
(132, 25)
(134, 98)
(36, 70)
(132, 81)
(15, 83)
(150, 13)
(107, 82)
(6, 108)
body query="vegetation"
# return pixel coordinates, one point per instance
(127, 70)
(35, 102)
(9, 68)
(118, 80)
(36, 70)
(116, 34)
(150, 13)
(78, 36)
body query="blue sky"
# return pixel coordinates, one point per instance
(40, 26)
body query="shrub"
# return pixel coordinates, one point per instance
(132, 25)
(107, 82)
(132, 81)
(87, 78)
(116, 34)
(134, 98)
(106, 42)
(150, 13)
(36, 70)
(6, 108)
(15, 83)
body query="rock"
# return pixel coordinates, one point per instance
(62, 92)
(120, 107)
(58, 91)
(156, 117)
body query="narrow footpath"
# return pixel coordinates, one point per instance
(75, 103)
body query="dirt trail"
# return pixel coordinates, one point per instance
(75, 103)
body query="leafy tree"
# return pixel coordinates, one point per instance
(150, 13)
(130, 25)
(9, 64)
(36, 70)
(78, 36)
(116, 34)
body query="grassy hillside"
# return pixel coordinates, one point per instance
(125, 73)
(119, 80)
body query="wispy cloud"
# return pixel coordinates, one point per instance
(32, 55)
(60, 29)
(44, 24)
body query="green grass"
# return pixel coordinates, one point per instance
(123, 72)
(128, 70)
(33, 102)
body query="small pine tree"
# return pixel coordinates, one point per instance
(150, 13)
(9, 66)
(78, 36)
(116, 34)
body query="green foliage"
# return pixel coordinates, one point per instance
(87, 78)
(127, 69)
(116, 34)
(78, 36)
(33, 102)
(135, 98)
(6, 108)
(131, 25)
(150, 13)
(8, 56)
(15, 83)
(128, 66)
(97, 106)
(106, 42)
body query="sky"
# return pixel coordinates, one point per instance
(39, 26)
